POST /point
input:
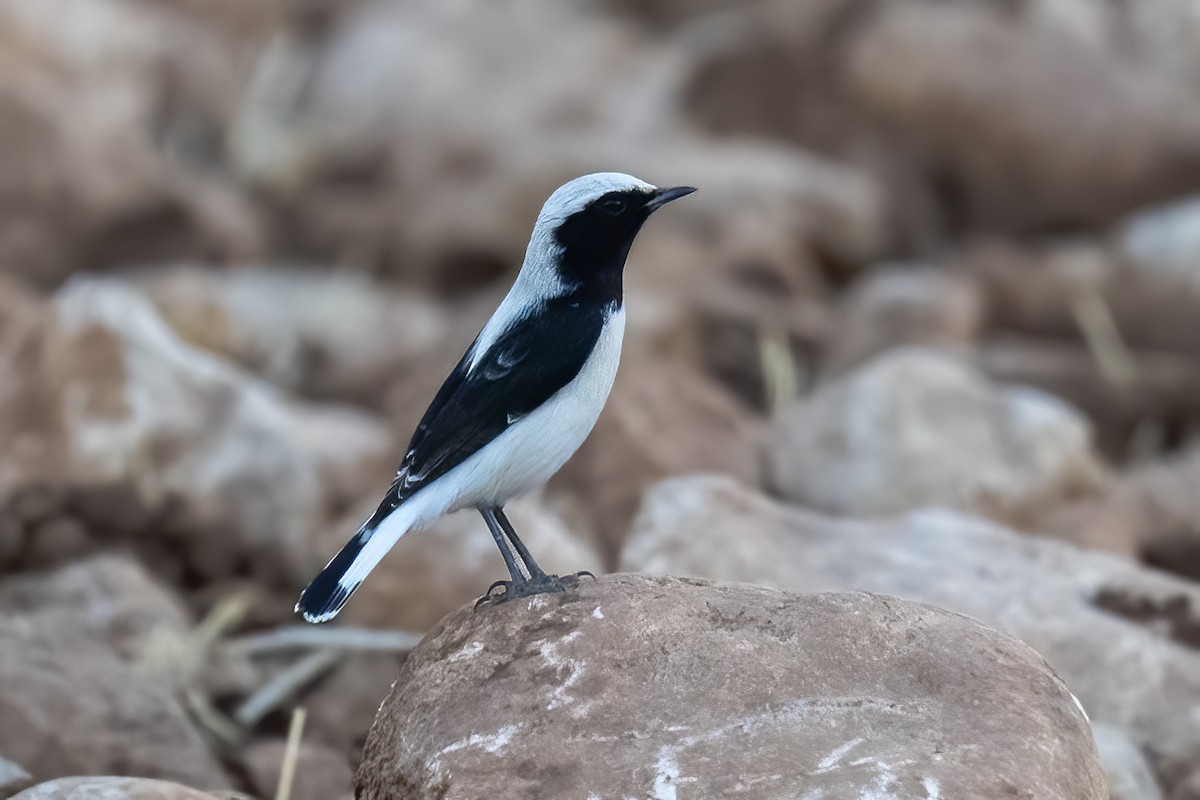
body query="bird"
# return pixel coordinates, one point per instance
(524, 396)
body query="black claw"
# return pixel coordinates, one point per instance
(542, 584)
(488, 597)
(581, 573)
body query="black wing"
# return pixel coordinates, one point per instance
(526, 365)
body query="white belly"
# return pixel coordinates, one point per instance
(535, 447)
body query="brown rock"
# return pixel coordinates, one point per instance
(321, 773)
(71, 706)
(12, 541)
(348, 448)
(854, 445)
(111, 400)
(342, 706)
(1005, 141)
(635, 686)
(447, 197)
(85, 117)
(1165, 494)
(56, 541)
(1166, 386)
(1162, 37)
(899, 305)
(662, 419)
(1122, 636)
(1039, 289)
(1188, 789)
(1151, 511)
(1112, 335)
(432, 572)
(113, 597)
(112, 789)
(1136, 279)
(326, 334)
(1020, 118)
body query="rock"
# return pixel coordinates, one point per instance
(1110, 519)
(636, 686)
(1166, 385)
(431, 572)
(740, 336)
(1151, 293)
(321, 773)
(1188, 789)
(851, 447)
(13, 778)
(71, 706)
(661, 419)
(383, 164)
(56, 541)
(669, 13)
(113, 597)
(905, 305)
(227, 469)
(12, 542)
(342, 706)
(1150, 512)
(1161, 245)
(326, 334)
(1019, 132)
(1000, 143)
(112, 789)
(88, 118)
(1130, 776)
(1162, 37)
(1123, 637)
(116, 600)
(348, 448)
(1050, 289)
(1114, 338)
(1165, 496)
(776, 228)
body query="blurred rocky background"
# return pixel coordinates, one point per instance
(930, 328)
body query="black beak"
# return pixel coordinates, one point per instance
(663, 196)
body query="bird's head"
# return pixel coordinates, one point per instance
(585, 229)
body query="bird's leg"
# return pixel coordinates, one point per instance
(533, 579)
(518, 578)
(535, 572)
(539, 581)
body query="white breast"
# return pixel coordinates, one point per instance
(535, 447)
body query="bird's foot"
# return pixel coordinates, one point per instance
(488, 597)
(541, 584)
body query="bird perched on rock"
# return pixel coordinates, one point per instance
(525, 394)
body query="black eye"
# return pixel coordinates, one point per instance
(614, 206)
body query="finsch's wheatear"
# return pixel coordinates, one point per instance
(524, 396)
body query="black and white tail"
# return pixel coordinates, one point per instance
(330, 590)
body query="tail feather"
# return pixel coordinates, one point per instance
(345, 572)
(325, 596)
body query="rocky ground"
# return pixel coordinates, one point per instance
(930, 329)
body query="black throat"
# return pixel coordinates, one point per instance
(595, 243)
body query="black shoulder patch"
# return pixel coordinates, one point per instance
(524, 368)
